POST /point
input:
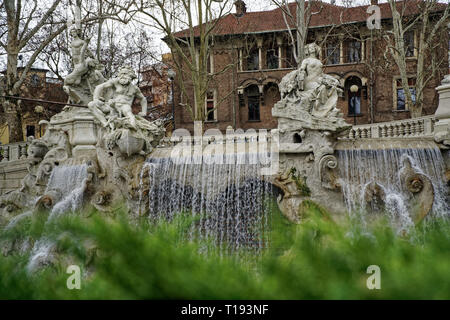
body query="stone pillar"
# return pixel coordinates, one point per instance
(341, 51)
(442, 114)
(240, 59)
(280, 44)
(5, 150)
(363, 50)
(259, 42)
(261, 94)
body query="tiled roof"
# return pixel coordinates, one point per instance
(325, 14)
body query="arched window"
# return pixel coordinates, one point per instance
(253, 101)
(353, 86)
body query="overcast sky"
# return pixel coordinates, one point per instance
(252, 6)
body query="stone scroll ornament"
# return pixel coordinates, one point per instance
(328, 173)
(418, 188)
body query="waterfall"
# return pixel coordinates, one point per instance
(70, 182)
(14, 221)
(226, 193)
(359, 169)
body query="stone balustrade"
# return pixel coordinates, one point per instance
(14, 151)
(254, 137)
(409, 128)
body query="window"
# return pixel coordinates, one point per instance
(400, 93)
(353, 54)
(290, 59)
(272, 59)
(31, 131)
(210, 106)
(253, 59)
(408, 38)
(35, 80)
(333, 53)
(253, 97)
(353, 87)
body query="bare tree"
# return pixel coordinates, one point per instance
(191, 48)
(299, 21)
(23, 22)
(428, 23)
(30, 27)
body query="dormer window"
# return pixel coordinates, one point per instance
(35, 80)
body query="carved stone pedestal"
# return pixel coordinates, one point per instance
(442, 126)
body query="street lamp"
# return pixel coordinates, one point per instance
(171, 73)
(354, 89)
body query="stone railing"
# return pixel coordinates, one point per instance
(221, 139)
(409, 128)
(13, 151)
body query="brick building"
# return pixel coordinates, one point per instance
(37, 86)
(258, 47)
(156, 86)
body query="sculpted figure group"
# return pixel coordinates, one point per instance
(110, 101)
(309, 88)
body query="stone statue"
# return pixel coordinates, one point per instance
(308, 95)
(111, 106)
(86, 75)
(113, 99)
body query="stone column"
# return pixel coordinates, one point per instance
(363, 50)
(261, 94)
(341, 51)
(5, 150)
(240, 59)
(259, 42)
(442, 114)
(280, 44)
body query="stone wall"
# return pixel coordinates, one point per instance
(11, 174)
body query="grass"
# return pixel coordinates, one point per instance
(319, 259)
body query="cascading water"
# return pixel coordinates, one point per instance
(70, 183)
(226, 193)
(361, 169)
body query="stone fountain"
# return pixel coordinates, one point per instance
(96, 153)
(97, 132)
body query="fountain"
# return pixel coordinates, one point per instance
(102, 154)
(407, 184)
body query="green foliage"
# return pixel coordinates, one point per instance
(318, 259)
(300, 182)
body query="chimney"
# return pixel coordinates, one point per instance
(241, 8)
(374, 2)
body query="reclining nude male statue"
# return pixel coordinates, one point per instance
(112, 102)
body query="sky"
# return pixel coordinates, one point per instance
(252, 5)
